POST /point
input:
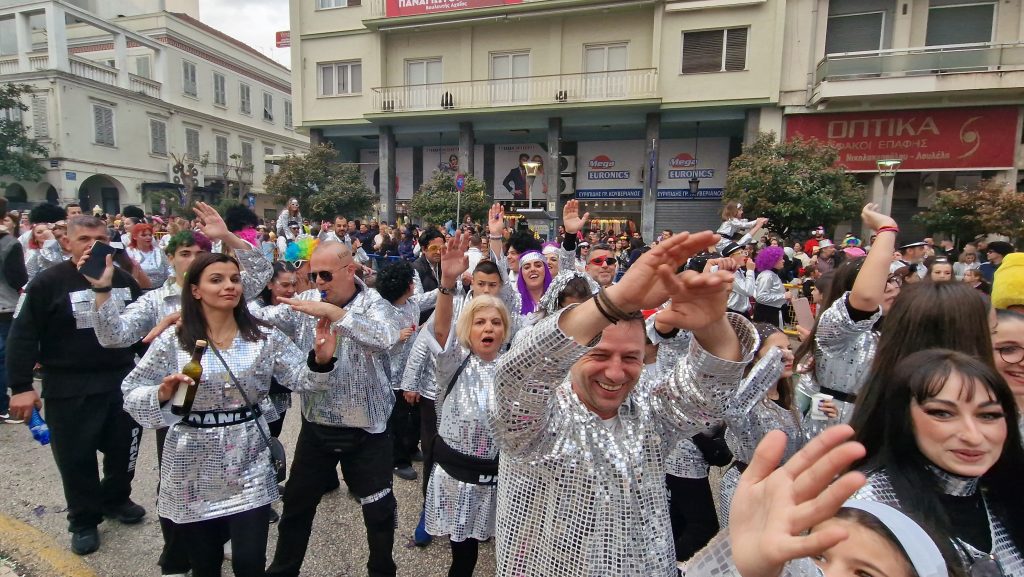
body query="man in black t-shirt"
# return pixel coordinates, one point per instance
(81, 385)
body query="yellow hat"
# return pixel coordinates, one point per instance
(1008, 284)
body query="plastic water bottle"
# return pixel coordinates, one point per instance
(40, 431)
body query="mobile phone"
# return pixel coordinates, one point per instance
(93, 267)
(802, 309)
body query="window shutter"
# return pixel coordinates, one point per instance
(357, 78)
(736, 49)
(857, 33)
(352, 3)
(142, 66)
(959, 25)
(158, 137)
(40, 117)
(702, 51)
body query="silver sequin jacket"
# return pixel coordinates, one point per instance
(843, 353)
(212, 472)
(578, 497)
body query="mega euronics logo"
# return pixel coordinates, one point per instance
(683, 160)
(601, 169)
(684, 167)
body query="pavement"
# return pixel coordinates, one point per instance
(33, 524)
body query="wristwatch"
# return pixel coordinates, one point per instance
(445, 291)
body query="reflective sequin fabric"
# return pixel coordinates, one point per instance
(843, 354)
(360, 395)
(455, 508)
(578, 496)
(119, 326)
(153, 263)
(715, 560)
(39, 259)
(879, 488)
(212, 472)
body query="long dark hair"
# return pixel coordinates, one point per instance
(280, 266)
(883, 424)
(193, 321)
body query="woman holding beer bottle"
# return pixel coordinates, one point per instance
(216, 475)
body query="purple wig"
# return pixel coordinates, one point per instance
(768, 257)
(528, 305)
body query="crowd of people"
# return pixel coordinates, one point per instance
(567, 398)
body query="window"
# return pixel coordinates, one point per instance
(961, 23)
(715, 51)
(103, 124)
(40, 116)
(157, 137)
(423, 79)
(268, 107)
(339, 78)
(268, 167)
(288, 120)
(192, 143)
(12, 114)
(188, 79)
(221, 153)
(142, 67)
(854, 32)
(244, 99)
(246, 153)
(604, 64)
(220, 89)
(324, 4)
(508, 77)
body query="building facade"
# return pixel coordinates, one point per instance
(118, 99)
(934, 84)
(634, 107)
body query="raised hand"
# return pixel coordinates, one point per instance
(326, 341)
(874, 219)
(496, 220)
(698, 299)
(571, 219)
(107, 278)
(454, 261)
(210, 222)
(642, 287)
(774, 506)
(316, 308)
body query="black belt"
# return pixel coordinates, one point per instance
(465, 468)
(211, 419)
(840, 396)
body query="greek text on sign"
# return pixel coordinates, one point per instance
(602, 166)
(412, 7)
(929, 139)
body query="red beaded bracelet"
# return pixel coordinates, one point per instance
(888, 229)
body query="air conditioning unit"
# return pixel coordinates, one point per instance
(566, 186)
(176, 171)
(562, 96)
(567, 164)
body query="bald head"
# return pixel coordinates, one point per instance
(334, 270)
(339, 250)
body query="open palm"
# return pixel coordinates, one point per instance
(643, 286)
(454, 261)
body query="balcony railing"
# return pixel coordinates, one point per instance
(529, 90)
(921, 61)
(85, 68)
(9, 64)
(221, 171)
(144, 85)
(93, 70)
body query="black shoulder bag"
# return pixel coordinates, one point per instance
(278, 458)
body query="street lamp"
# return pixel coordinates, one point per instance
(532, 169)
(695, 182)
(887, 169)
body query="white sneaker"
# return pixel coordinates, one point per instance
(227, 551)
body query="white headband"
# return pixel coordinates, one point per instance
(530, 257)
(924, 555)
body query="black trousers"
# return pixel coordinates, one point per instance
(464, 555)
(174, 555)
(404, 425)
(204, 541)
(366, 463)
(692, 511)
(79, 427)
(428, 430)
(276, 426)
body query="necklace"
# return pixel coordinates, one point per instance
(223, 342)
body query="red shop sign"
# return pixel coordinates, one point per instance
(413, 7)
(929, 139)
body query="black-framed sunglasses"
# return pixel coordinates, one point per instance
(326, 275)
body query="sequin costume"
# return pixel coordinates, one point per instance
(360, 395)
(715, 560)
(1011, 559)
(749, 418)
(37, 259)
(580, 496)
(455, 508)
(212, 472)
(731, 227)
(843, 352)
(154, 263)
(407, 315)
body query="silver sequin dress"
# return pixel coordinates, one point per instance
(360, 395)
(212, 472)
(455, 508)
(715, 560)
(1011, 559)
(749, 418)
(579, 496)
(154, 263)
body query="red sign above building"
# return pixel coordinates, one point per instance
(414, 7)
(929, 139)
(283, 39)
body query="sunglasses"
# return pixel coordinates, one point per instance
(326, 275)
(895, 280)
(602, 261)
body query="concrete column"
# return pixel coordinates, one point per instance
(159, 71)
(551, 172)
(57, 38)
(316, 137)
(388, 175)
(651, 146)
(23, 32)
(121, 60)
(467, 144)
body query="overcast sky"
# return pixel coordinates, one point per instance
(254, 23)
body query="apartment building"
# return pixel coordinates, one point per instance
(118, 94)
(634, 107)
(934, 84)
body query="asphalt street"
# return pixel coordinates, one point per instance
(30, 491)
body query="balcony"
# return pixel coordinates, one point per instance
(549, 90)
(85, 68)
(917, 70)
